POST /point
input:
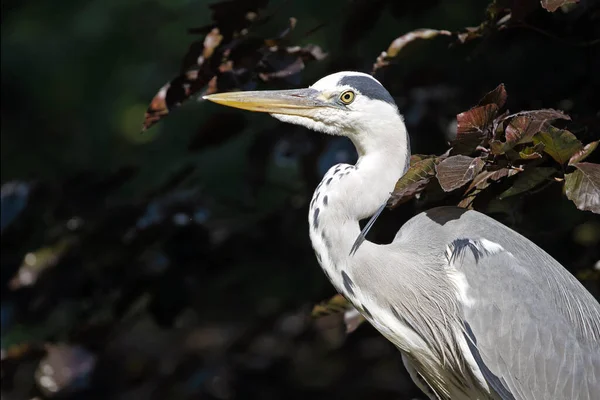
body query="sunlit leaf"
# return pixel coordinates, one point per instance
(192, 80)
(470, 33)
(36, 262)
(476, 120)
(522, 128)
(544, 114)
(532, 152)
(553, 5)
(584, 153)
(582, 186)
(414, 181)
(559, 144)
(398, 44)
(456, 171)
(335, 305)
(528, 180)
(497, 96)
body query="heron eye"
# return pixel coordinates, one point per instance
(347, 97)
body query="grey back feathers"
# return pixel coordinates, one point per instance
(532, 329)
(368, 87)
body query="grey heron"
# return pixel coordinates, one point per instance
(477, 310)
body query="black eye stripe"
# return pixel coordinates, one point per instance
(367, 87)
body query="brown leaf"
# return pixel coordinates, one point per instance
(522, 128)
(559, 144)
(456, 171)
(553, 5)
(582, 186)
(414, 181)
(484, 178)
(528, 180)
(192, 80)
(399, 43)
(476, 120)
(544, 114)
(497, 96)
(584, 153)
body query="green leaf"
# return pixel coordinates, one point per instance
(414, 181)
(527, 180)
(560, 144)
(335, 305)
(582, 187)
(456, 171)
(584, 153)
(532, 152)
(497, 96)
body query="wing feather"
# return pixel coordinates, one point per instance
(524, 348)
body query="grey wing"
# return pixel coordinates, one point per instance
(523, 347)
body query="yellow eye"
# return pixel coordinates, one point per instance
(347, 97)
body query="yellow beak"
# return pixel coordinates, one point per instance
(291, 102)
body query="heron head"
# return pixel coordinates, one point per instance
(351, 104)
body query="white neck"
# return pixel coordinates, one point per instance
(348, 194)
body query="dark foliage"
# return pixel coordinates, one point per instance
(177, 265)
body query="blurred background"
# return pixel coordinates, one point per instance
(175, 263)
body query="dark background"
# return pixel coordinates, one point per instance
(176, 263)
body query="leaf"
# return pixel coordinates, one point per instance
(553, 5)
(414, 181)
(335, 305)
(398, 44)
(560, 144)
(528, 180)
(584, 153)
(532, 152)
(544, 114)
(339, 305)
(455, 171)
(497, 96)
(522, 128)
(192, 80)
(582, 186)
(470, 33)
(482, 180)
(476, 120)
